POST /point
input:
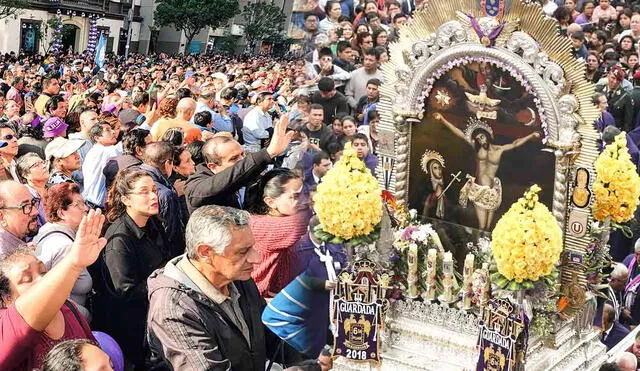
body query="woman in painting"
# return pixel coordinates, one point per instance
(433, 165)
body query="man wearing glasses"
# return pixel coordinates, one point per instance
(18, 215)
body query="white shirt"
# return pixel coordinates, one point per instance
(255, 125)
(95, 190)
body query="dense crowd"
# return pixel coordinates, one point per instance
(138, 198)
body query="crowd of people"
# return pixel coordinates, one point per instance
(138, 198)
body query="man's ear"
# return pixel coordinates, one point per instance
(213, 168)
(203, 252)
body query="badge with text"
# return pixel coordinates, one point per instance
(360, 305)
(500, 326)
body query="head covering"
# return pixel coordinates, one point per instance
(53, 127)
(617, 72)
(62, 147)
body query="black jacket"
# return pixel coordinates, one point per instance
(170, 211)
(331, 106)
(130, 256)
(116, 164)
(189, 331)
(206, 188)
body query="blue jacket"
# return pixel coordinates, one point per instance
(170, 210)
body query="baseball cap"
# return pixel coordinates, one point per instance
(62, 147)
(53, 127)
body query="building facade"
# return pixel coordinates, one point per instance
(31, 31)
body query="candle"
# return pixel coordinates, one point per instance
(447, 277)
(432, 256)
(412, 277)
(486, 290)
(467, 274)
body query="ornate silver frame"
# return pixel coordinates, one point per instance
(440, 38)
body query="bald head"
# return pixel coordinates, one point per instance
(627, 361)
(9, 192)
(573, 27)
(186, 108)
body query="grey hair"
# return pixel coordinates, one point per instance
(211, 225)
(619, 270)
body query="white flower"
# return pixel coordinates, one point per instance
(413, 245)
(413, 213)
(420, 235)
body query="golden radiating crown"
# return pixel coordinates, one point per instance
(427, 157)
(474, 124)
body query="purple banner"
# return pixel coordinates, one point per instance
(357, 327)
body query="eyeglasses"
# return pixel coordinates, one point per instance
(153, 190)
(83, 205)
(38, 163)
(26, 208)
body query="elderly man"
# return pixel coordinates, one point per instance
(615, 290)
(18, 215)
(221, 179)
(627, 362)
(184, 112)
(204, 311)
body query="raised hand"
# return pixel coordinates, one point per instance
(280, 139)
(88, 243)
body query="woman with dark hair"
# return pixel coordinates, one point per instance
(34, 312)
(279, 220)
(625, 47)
(64, 209)
(136, 246)
(380, 37)
(594, 72)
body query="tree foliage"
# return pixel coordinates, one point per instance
(265, 21)
(11, 8)
(192, 16)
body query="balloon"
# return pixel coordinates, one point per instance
(111, 347)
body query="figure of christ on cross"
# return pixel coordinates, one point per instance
(484, 189)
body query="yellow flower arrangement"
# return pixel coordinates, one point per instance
(527, 243)
(617, 184)
(348, 202)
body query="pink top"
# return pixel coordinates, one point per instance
(274, 236)
(24, 348)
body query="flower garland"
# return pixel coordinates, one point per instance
(526, 245)
(57, 34)
(93, 35)
(348, 202)
(617, 184)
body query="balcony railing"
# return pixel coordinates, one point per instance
(77, 4)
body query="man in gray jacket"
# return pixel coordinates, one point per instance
(205, 310)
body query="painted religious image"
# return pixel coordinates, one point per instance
(478, 148)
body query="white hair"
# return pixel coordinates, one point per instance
(636, 247)
(211, 225)
(627, 361)
(619, 270)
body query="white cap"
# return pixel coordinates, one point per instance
(61, 147)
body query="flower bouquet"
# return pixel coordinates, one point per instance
(348, 203)
(526, 245)
(617, 184)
